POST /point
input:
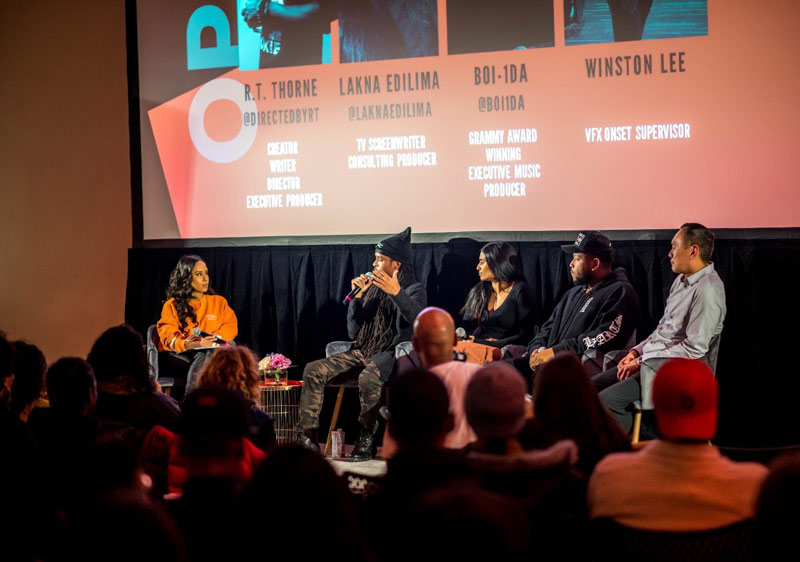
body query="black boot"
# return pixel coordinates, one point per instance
(364, 449)
(307, 438)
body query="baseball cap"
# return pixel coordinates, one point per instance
(590, 242)
(685, 400)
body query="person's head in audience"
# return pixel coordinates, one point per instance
(691, 248)
(120, 362)
(6, 368)
(777, 529)
(467, 522)
(29, 368)
(495, 407)
(685, 400)
(233, 367)
(591, 257)
(111, 470)
(121, 529)
(214, 421)
(71, 386)
(301, 486)
(434, 336)
(566, 406)
(419, 416)
(498, 263)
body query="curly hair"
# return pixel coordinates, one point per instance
(180, 288)
(503, 260)
(232, 367)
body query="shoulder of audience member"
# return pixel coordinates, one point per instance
(562, 454)
(617, 462)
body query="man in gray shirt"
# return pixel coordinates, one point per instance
(690, 328)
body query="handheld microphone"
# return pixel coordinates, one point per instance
(461, 333)
(201, 334)
(354, 291)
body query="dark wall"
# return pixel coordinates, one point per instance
(288, 299)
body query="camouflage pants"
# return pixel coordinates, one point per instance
(318, 373)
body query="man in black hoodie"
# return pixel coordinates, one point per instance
(379, 318)
(599, 314)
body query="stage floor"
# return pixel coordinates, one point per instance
(375, 467)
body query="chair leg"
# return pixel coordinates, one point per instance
(334, 419)
(637, 426)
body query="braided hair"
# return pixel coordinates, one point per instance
(180, 289)
(377, 333)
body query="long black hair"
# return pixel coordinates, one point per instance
(180, 288)
(566, 406)
(502, 259)
(376, 334)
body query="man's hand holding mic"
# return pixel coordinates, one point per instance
(362, 282)
(357, 287)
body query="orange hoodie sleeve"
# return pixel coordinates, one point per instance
(229, 326)
(170, 336)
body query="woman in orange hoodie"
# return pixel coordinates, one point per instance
(191, 303)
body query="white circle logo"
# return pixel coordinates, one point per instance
(221, 152)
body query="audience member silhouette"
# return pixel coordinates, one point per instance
(127, 398)
(301, 510)
(218, 462)
(212, 442)
(21, 480)
(566, 406)
(28, 387)
(777, 522)
(236, 368)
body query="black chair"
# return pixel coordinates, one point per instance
(618, 543)
(649, 368)
(151, 346)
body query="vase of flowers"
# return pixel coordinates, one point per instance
(274, 367)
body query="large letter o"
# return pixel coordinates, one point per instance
(220, 151)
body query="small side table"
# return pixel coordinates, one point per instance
(281, 399)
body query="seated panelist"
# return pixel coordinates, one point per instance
(191, 303)
(500, 308)
(379, 318)
(599, 313)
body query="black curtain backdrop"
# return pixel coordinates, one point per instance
(288, 300)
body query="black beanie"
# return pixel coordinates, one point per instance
(397, 247)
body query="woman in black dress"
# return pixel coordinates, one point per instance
(500, 308)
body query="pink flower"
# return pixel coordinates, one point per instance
(278, 361)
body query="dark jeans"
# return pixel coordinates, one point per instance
(618, 396)
(196, 360)
(523, 365)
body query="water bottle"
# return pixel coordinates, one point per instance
(337, 442)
